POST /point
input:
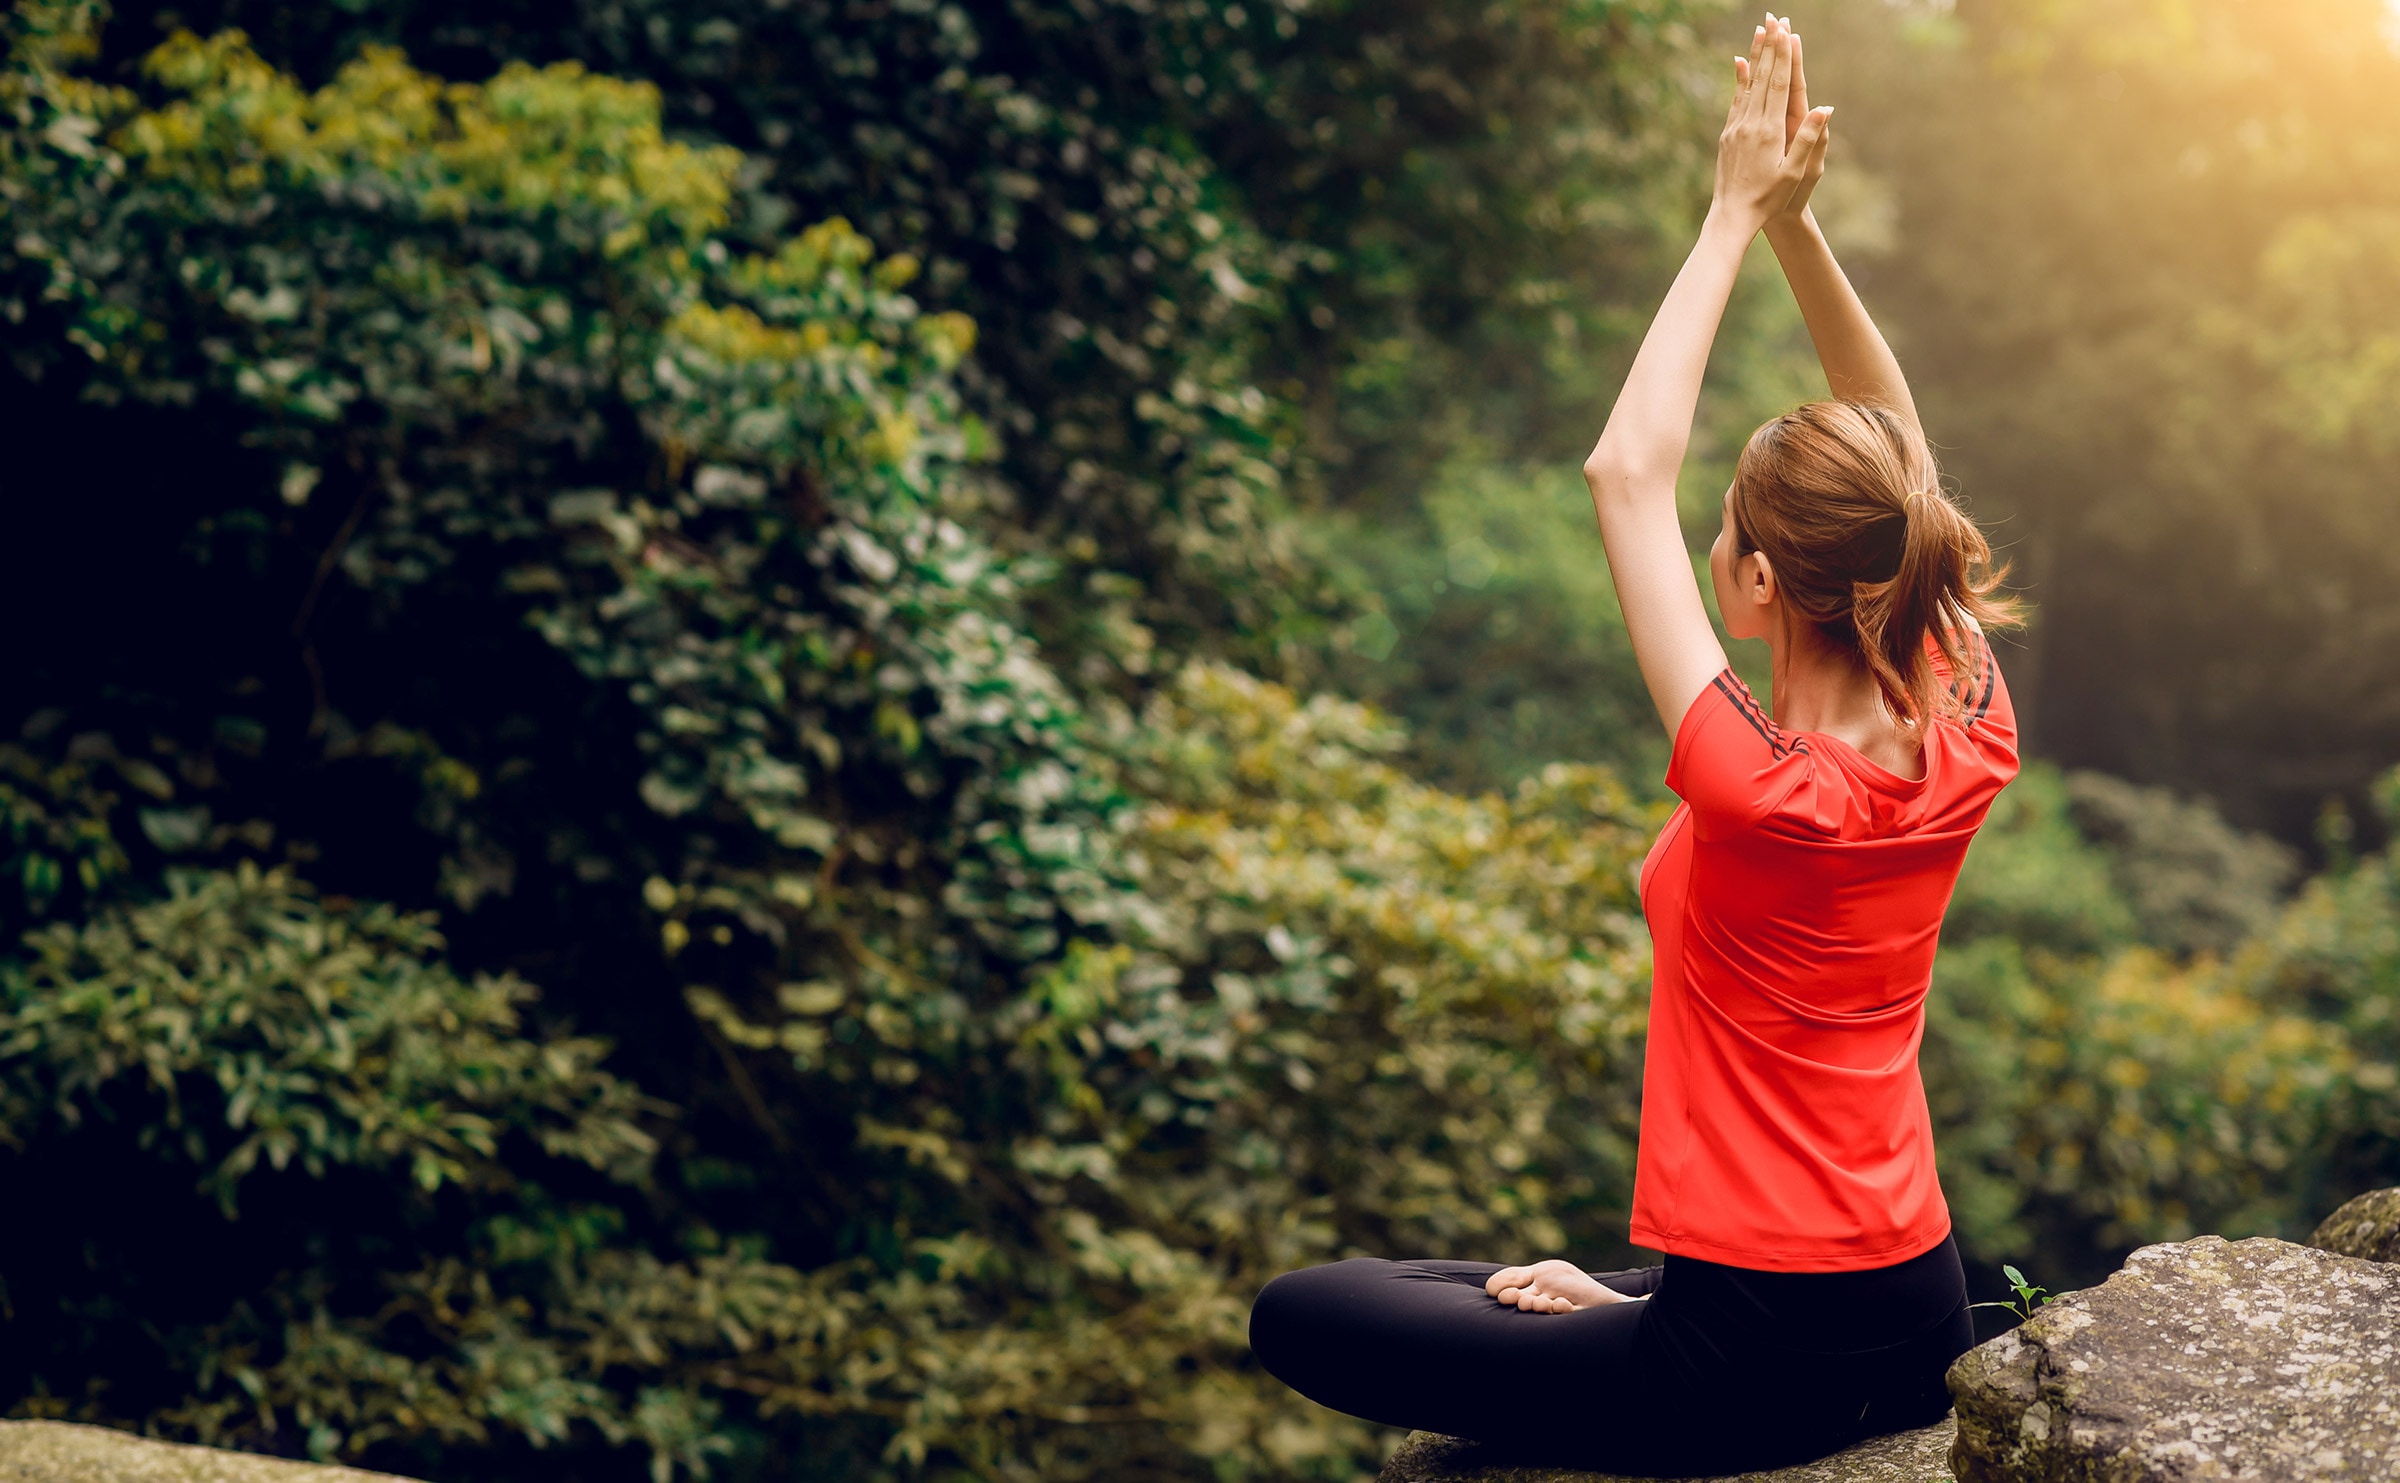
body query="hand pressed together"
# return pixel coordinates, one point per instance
(1551, 1287)
(1772, 153)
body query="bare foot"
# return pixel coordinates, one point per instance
(1551, 1287)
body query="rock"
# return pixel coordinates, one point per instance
(1910, 1457)
(2204, 1359)
(61, 1452)
(2367, 1228)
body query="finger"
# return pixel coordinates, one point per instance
(1753, 71)
(1823, 124)
(1779, 77)
(1795, 111)
(1804, 162)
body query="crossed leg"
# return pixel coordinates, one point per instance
(1423, 1344)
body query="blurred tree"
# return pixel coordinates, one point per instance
(2141, 279)
(2101, 1075)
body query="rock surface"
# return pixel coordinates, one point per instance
(2367, 1228)
(1910, 1457)
(61, 1452)
(2204, 1359)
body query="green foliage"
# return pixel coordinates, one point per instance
(2144, 320)
(2082, 862)
(2193, 884)
(1493, 628)
(1472, 973)
(2086, 1105)
(646, 601)
(274, 1053)
(62, 847)
(959, 992)
(2335, 955)
(1220, 252)
(2028, 1296)
(270, 1029)
(2099, 1077)
(2033, 878)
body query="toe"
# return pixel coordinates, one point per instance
(1505, 1281)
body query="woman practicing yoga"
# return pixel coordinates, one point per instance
(1811, 1294)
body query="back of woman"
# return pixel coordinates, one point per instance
(1810, 1292)
(1795, 901)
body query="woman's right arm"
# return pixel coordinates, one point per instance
(1859, 365)
(1632, 471)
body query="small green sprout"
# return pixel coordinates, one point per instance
(2029, 1297)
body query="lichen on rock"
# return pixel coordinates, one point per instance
(2367, 1228)
(1908, 1457)
(62, 1452)
(2200, 1359)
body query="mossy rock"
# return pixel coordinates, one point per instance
(1908, 1457)
(61, 1452)
(2205, 1359)
(2367, 1228)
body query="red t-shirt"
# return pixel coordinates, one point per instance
(1794, 901)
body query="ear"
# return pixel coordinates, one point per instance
(1755, 576)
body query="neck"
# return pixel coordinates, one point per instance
(1822, 687)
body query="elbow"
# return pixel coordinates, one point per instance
(1604, 469)
(1612, 476)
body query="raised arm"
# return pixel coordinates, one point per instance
(1859, 366)
(1632, 472)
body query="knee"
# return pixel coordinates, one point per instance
(1275, 1318)
(1289, 1310)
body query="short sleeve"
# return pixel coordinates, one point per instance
(1731, 761)
(1985, 710)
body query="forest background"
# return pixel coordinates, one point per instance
(762, 738)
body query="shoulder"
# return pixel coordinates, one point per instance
(1730, 757)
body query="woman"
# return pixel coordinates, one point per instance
(1811, 1293)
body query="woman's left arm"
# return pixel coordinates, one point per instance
(1859, 364)
(1632, 472)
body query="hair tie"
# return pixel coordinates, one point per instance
(1908, 506)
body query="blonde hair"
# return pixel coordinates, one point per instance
(1845, 502)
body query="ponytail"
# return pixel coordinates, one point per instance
(1846, 503)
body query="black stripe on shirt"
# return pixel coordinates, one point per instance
(1991, 684)
(1747, 705)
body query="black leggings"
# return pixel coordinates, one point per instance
(1722, 1369)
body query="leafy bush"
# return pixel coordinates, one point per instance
(2101, 1077)
(468, 497)
(640, 599)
